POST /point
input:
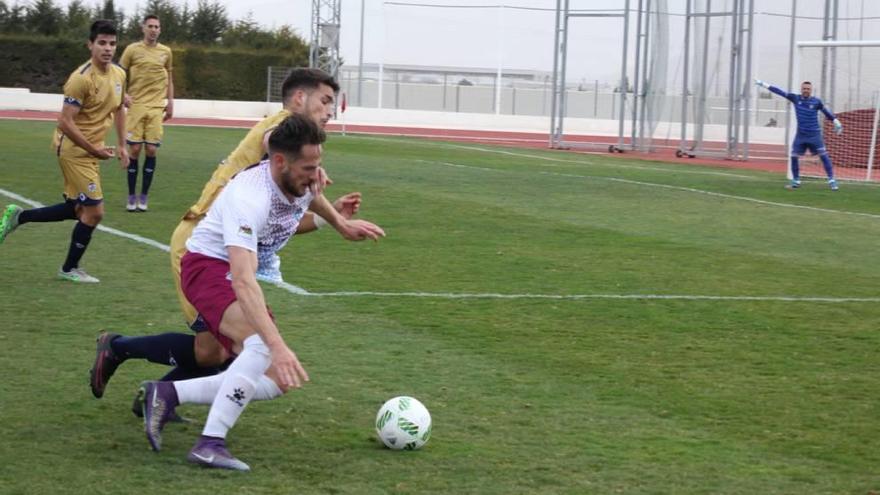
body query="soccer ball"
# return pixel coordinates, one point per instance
(403, 423)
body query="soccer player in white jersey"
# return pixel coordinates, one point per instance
(261, 206)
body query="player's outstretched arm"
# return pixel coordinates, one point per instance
(353, 230)
(775, 90)
(347, 206)
(243, 266)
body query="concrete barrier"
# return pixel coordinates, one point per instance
(23, 99)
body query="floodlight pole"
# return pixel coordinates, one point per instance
(554, 137)
(361, 57)
(747, 80)
(732, 97)
(324, 46)
(684, 78)
(636, 77)
(498, 73)
(623, 76)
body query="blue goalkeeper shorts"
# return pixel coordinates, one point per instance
(815, 144)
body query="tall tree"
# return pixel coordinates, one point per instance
(108, 11)
(174, 19)
(209, 21)
(12, 17)
(44, 17)
(77, 20)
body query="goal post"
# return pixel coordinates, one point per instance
(846, 77)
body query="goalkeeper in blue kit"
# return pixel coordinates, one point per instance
(809, 134)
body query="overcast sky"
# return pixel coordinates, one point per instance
(475, 36)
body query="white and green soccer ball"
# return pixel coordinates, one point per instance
(403, 423)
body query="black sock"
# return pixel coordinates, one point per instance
(54, 213)
(172, 348)
(79, 241)
(132, 175)
(179, 373)
(149, 168)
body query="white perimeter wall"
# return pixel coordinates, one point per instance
(23, 99)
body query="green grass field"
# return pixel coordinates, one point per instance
(760, 375)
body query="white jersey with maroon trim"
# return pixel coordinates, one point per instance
(251, 212)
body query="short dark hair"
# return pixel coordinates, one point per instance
(101, 26)
(807, 82)
(150, 16)
(293, 133)
(306, 78)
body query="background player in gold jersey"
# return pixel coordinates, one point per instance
(151, 89)
(92, 102)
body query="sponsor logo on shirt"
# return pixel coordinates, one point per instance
(245, 230)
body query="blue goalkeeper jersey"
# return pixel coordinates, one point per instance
(806, 110)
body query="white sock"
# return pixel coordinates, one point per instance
(203, 390)
(199, 390)
(266, 389)
(238, 387)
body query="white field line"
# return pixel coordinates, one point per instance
(143, 240)
(590, 162)
(562, 160)
(666, 186)
(293, 289)
(456, 295)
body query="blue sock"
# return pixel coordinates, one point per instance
(172, 348)
(132, 175)
(826, 162)
(795, 169)
(54, 213)
(79, 241)
(149, 168)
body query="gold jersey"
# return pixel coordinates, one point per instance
(148, 70)
(249, 151)
(99, 95)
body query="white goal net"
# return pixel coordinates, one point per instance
(846, 76)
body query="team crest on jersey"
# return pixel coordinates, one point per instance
(118, 88)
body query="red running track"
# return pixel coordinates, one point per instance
(770, 157)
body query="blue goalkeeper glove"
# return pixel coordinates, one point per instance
(838, 127)
(761, 83)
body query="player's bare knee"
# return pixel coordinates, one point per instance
(208, 351)
(151, 150)
(134, 150)
(91, 215)
(207, 358)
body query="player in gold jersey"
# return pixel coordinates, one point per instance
(151, 90)
(309, 92)
(92, 102)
